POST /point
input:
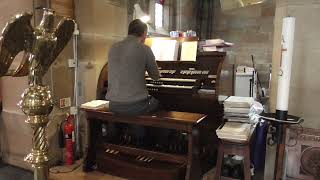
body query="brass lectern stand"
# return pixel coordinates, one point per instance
(41, 45)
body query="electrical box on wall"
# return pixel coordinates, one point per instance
(65, 102)
(71, 63)
(245, 82)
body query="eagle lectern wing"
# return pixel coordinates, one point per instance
(63, 33)
(16, 36)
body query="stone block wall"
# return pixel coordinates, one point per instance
(251, 30)
(101, 24)
(15, 134)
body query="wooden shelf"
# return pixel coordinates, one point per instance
(211, 53)
(180, 39)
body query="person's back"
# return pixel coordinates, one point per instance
(128, 61)
(127, 66)
(127, 92)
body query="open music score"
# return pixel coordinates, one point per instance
(189, 51)
(173, 49)
(165, 49)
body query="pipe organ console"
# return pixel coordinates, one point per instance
(185, 87)
(189, 86)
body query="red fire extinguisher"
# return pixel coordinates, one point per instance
(69, 139)
(161, 2)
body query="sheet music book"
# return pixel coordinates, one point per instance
(96, 104)
(239, 110)
(165, 49)
(189, 51)
(217, 42)
(213, 48)
(238, 102)
(218, 45)
(234, 131)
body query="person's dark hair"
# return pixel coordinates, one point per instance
(137, 28)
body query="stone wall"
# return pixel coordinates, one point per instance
(15, 134)
(251, 30)
(185, 15)
(101, 23)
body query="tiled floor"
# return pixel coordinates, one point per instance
(79, 175)
(13, 173)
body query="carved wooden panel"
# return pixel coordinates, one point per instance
(63, 7)
(303, 147)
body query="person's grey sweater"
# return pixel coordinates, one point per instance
(128, 61)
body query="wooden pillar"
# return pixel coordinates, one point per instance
(63, 7)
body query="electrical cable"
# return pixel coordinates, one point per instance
(254, 66)
(76, 91)
(57, 170)
(258, 78)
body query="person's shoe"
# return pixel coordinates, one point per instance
(237, 171)
(88, 167)
(226, 170)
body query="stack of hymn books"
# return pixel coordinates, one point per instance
(218, 45)
(237, 108)
(96, 104)
(234, 131)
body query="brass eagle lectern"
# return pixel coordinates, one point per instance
(41, 45)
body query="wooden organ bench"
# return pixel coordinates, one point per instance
(138, 163)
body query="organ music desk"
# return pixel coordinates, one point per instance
(188, 92)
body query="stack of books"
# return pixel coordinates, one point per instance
(96, 104)
(237, 108)
(218, 45)
(234, 131)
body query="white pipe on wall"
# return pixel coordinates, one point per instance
(76, 91)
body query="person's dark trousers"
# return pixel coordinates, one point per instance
(132, 132)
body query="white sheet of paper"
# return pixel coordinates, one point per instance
(189, 51)
(95, 104)
(165, 49)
